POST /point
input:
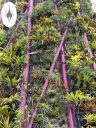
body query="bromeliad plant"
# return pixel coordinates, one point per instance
(11, 60)
(45, 31)
(43, 40)
(78, 97)
(42, 9)
(91, 119)
(2, 37)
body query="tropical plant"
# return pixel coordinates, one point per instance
(26, 53)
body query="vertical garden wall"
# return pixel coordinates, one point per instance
(27, 51)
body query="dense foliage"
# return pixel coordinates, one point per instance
(44, 38)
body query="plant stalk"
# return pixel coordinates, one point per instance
(70, 116)
(26, 70)
(47, 80)
(88, 48)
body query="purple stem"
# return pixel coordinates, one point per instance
(63, 60)
(65, 80)
(47, 80)
(66, 86)
(26, 70)
(63, 69)
(88, 48)
(0, 18)
(18, 25)
(54, 62)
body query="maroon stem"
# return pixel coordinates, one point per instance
(26, 70)
(65, 80)
(47, 80)
(88, 48)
